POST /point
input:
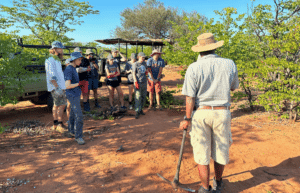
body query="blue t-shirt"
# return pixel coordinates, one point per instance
(155, 65)
(94, 72)
(112, 69)
(70, 73)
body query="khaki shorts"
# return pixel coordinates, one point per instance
(211, 136)
(58, 101)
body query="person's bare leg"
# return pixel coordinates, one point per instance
(95, 94)
(130, 92)
(151, 99)
(54, 113)
(120, 94)
(219, 169)
(60, 112)
(158, 99)
(111, 95)
(204, 172)
(68, 109)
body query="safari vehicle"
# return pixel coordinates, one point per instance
(118, 41)
(36, 90)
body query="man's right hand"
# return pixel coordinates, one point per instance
(58, 92)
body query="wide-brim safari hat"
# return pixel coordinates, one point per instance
(89, 51)
(207, 42)
(155, 51)
(77, 49)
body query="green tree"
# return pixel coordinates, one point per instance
(48, 20)
(151, 19)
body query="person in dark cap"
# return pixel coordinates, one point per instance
(139, 70)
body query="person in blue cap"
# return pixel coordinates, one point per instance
(73, 93)
(56, 84)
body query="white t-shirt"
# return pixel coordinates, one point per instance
(53, 68)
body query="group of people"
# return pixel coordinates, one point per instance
(207, 86)
(81, 76)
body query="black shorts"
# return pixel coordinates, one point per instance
(129, 82)
(113, 83)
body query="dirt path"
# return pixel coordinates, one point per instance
(265, 156)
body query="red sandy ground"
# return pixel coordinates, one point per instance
(265, 156)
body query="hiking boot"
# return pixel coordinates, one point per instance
(71, 135)
(97, 106)
(60, 128)
(142, 113)
(203, 190)
(112, 109)
(217, 186)
(80, 141)
(63, 126)
(137, 115)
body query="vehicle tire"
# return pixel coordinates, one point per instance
(49, 102)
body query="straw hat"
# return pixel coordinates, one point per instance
(155, 51)
(207, 42)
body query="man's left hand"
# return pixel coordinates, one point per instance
(184, 124)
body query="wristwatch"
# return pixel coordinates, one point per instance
(187, 119)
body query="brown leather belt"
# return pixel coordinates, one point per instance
(214, 108)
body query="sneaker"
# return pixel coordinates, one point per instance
(217, 186)
(71, 135)
(142, 113)
(137, 115)
(159, 108)
(80, 141)
(130, 107)
(203, 190)
(64, 126)
(123, 108)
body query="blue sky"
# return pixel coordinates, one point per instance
(100, 26)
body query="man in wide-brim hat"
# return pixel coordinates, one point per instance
(207, 86)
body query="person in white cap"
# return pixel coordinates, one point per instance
(114, 53)
(56, 84)
(73, 93)
(83, 72)
(155, 66)
(93, 75)
(207, 86)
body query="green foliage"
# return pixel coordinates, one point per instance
(168, 100)
(265, 46)
(12, 72)
(110, 117)
(48, 20)
(3, 128)
(150, 19)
